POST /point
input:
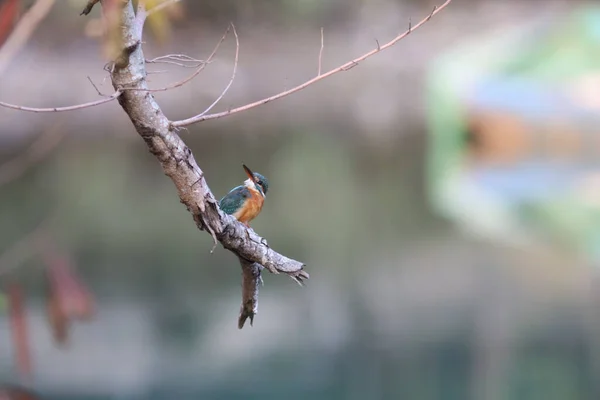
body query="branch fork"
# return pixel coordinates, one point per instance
(128, 76)
(179, 164)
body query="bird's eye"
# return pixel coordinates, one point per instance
(259, 182)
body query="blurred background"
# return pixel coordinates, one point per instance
(444, 195)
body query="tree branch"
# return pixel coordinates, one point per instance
(128, 75)
(345, 67)
(199, 68)
(181, 60)
(177, 160)
(251, 280)
(235, 65)
(321, 53)
(62, 109)
(19, 37)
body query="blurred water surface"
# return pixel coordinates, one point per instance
(398, 303)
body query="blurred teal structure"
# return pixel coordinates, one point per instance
(514, 140)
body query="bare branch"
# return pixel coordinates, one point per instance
(181, 60)
(251, 280)
(142, 7)
(96, 87)
(345, 67)
(178, 161)
(321, 53)
(140, 18)
(192, 76)
(432, 12)
(63, 109)
(128, 74)
(23, 31)
(42, 146)
(235, 64)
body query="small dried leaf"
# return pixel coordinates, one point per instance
(68, 298)
(68, 291)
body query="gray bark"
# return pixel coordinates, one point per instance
(128, 74)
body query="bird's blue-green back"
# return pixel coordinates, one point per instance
(235, 199)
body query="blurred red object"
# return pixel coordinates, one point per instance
(18, 325)
(9, 14)
(68, 297)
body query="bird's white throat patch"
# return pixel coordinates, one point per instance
(250, 185)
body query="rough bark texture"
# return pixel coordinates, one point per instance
(251, 279)
(177, 160)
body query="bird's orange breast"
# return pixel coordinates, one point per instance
(251, 207)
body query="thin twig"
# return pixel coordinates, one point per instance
(62, 109)
(141, 6)
(235, 64)
(192, 76)
(23, 31)
(96, 87)
(432, 12)
(140, 18)
(177, 59)
(321, 53)
(176, 63)
(344, 67)
(42, 146)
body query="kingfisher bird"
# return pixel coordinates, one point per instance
(245, 202)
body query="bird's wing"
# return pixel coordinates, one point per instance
(231, 202)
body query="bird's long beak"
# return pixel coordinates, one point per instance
(249, 173)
